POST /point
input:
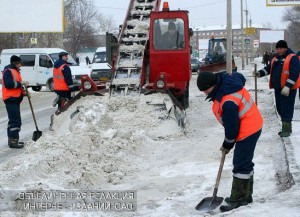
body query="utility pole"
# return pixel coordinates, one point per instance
(246, 27)
(242, 34)
(229, 38)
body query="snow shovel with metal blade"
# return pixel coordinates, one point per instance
(210, 203)
(36, 134)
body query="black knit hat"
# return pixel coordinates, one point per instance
(61, 54)
(281, 44)
(15, 60)
(206, 80)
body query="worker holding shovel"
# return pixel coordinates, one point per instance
(12, 95)
(242, 121)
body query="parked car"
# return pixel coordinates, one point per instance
(195, 64)
(100, 70)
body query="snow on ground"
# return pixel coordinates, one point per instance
(128, 142)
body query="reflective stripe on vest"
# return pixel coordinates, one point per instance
(12, 92)
(250, 118)
(285, 73)
(59, 79)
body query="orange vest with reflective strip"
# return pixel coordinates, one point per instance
(59, 79)
(285, 72)
(13, 92)
(251, 120)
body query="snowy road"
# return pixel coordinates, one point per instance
(42, 105)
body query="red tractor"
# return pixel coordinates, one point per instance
(152, 54)
(166, 66)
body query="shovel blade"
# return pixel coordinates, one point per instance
(209, 203)
(36, 135)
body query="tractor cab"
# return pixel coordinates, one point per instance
(168, 62)
(215, 59)
(216, 51)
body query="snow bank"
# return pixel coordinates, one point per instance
(96, 146)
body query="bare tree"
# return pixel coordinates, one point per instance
(50, 40)
(81, 17)
(292, 16)
(7, 41)
(106, 24)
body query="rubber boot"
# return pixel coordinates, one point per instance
(14, 143)
(286, 129)
(249, 199)
(240, 192)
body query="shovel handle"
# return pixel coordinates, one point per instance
(219, 173)
(255, 83)
(30, 104)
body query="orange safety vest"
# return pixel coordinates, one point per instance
(12, 92)
(285, 72)
(59, 79)
(251, 120)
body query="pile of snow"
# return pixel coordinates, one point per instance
(96, 146)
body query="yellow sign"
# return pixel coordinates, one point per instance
(250, 31)
(33, 40)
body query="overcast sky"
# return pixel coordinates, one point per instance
(206, 12)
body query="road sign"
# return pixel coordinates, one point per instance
(250, 31)
(33, 40)
(247, 41)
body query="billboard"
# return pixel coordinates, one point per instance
(282, 2)
(270, 36)
(19, 16)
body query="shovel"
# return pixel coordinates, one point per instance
(36, 134)
(210, 203)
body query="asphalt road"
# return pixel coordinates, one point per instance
(42, 106)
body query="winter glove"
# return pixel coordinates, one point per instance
(28, 94)
(227, 146)
(26, 83)
(255, 74)
(222, 149)
(285, 91)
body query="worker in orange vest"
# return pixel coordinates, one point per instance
(62, 79)
(284, 78)
(237, 112)
(12, 95)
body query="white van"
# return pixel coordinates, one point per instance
(37, 66)
(100, 70)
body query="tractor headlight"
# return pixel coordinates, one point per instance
(87, 85)
(160, 84)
